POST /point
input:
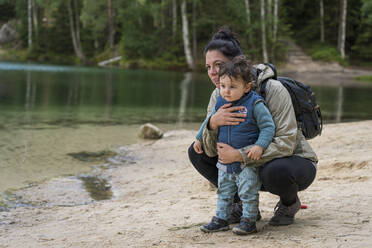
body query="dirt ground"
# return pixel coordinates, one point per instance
(160, 201)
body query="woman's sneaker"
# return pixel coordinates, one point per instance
(284, 215)
(245, 227)
(215, 225)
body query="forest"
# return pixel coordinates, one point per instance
(171, 34)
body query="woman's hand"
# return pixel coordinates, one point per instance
(198, 147)
(225, 116)
(227, 154)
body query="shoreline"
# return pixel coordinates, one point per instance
(161, 200)
(42, 155)
(315, 73)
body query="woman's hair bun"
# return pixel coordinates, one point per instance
(225, 33)
(225, 42)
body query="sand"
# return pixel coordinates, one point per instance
(160, 201)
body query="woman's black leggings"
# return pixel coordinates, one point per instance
(282, 176)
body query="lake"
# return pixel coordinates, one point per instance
(48, 112)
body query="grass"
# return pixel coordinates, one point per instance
(325, 52)
(367, 79)
(23, 55)
(156, 63)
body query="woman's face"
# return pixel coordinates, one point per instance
(213, 60)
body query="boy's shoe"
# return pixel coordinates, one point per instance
(215, 225)
(237, 212)
(245, 227)
(284, 215)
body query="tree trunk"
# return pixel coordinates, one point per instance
(249, 28)
(35, 18)
(194, 38)
(263, 31)
(321, 21)
(269, 17)
(29, 24)
(111, 29)
(77, 25)
(185, 35)
(248, 12)
(140, 22)
(75, 31)
(269, 8)
(174, 18)
(72, 28)
(342, 28)
(276, 18)
(161, 14)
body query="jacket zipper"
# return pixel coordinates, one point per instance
(228, 134)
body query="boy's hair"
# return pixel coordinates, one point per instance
(238, 66)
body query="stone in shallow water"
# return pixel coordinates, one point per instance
(150, 131)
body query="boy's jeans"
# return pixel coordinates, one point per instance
(247, 183)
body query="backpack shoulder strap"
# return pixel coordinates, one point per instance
(263, 85)
(262, 88)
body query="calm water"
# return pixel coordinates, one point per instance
(50, 111)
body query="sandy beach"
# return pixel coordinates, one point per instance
(160, 201)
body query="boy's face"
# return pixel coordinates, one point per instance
(233, 89)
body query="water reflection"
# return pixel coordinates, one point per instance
(47, 113)
(185, 86)
(103, 97)
(344, 103)
(339, 103)
(109, 97)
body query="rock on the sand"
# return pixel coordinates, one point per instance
(149, 131)
(7, 34)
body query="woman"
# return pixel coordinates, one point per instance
(287, 166)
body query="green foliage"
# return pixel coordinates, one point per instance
(7, 10)
(362, 49)
(323, 52)
(53, 42)
(94, 18)
(367, 10)
(144, 35)
(304, 19)
(367, 79)
(21, 15)
(15, 55)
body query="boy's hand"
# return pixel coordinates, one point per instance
(255, 152)
(198, 147)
